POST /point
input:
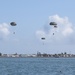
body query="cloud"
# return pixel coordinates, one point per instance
(4, 30)
(63, 34)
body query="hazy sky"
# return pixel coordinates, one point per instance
(33, 18)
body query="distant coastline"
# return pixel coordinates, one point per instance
(38, 55)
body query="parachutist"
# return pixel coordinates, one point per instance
(54, 24)
(13, 24)
(13, 32)
(53, 33)
(43, 38)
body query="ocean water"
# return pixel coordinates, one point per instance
(37, 66)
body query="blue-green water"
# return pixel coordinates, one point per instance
(37, 66)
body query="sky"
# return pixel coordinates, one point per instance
(33, 19)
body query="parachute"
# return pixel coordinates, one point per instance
(13, 24)
(53, 23)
